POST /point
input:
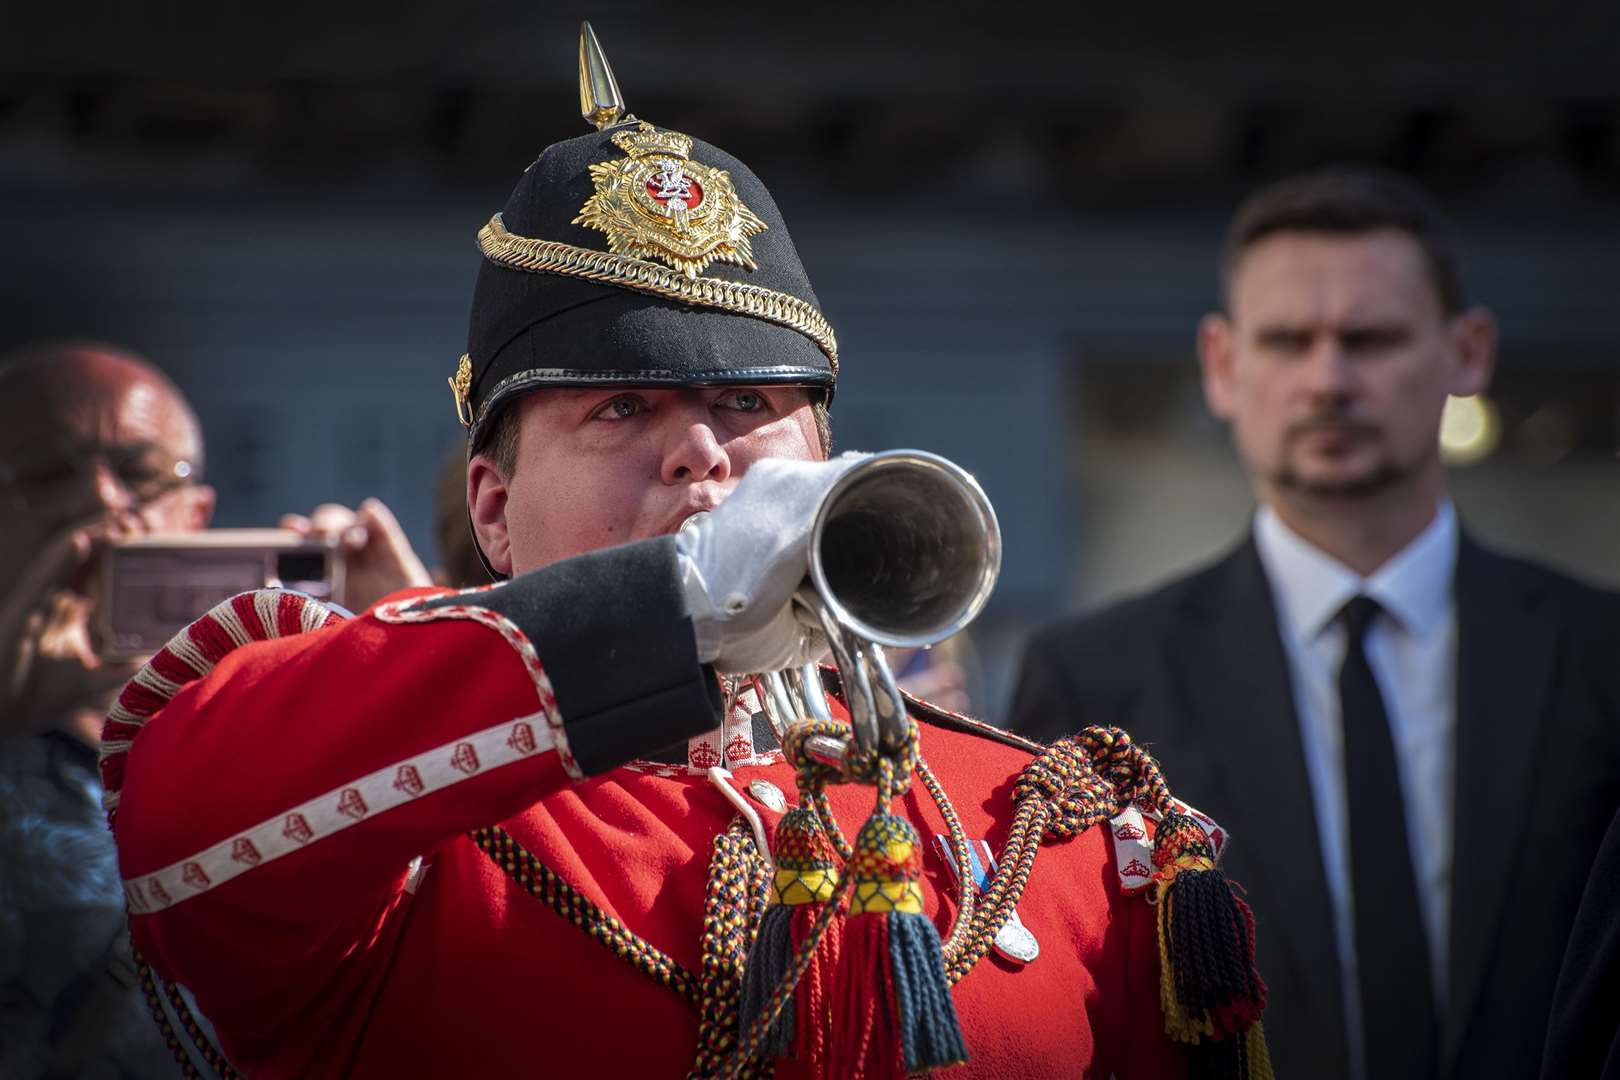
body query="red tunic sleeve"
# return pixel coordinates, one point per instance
(267, 813)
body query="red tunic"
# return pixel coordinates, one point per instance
(267, 817)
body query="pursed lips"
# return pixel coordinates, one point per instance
(691, 510)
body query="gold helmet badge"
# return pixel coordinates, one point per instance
(657, 203)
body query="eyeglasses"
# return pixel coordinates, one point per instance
(68, 478)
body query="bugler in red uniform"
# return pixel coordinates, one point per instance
(448, 837)
(272, 815)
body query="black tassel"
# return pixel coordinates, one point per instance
(769, 961)
(1211, 994)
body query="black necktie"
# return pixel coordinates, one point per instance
(1392, 954)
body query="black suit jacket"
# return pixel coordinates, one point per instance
(1583, 1038)
(1197, 671)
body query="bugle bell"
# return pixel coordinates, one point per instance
(904, 551)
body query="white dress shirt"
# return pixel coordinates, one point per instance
(1412, 649)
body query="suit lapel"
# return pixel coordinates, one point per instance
(1506, 649)
(1233, 678)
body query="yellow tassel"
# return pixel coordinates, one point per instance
(1259, 1054)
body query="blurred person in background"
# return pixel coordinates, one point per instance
(1583, 1036)
(1415, 740)
(96, 445)
(458, 566)
(377, 555)
(939, 674)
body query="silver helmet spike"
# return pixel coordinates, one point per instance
(600, 102)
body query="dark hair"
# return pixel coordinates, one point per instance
(500, 439)
(499, 442)
(1346, 200)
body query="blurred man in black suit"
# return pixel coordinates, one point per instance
(1583, 1037)
(1415, 741)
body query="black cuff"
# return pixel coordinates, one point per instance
(612, 632)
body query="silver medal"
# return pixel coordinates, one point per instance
(768, 794)
(1015, 942)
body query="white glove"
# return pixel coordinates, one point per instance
(742, 562)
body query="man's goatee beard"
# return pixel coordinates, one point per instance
(1376, 481)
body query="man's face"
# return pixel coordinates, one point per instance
(107, 447)
(1335, 362)
(609, 465)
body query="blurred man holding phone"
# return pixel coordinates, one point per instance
(98, 448)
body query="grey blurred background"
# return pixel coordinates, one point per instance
(1011, 214)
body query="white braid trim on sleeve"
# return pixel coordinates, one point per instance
(156, 683)
(184, 649)
(409, 611)
(333, 811)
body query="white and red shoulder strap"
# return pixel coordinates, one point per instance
(1133, 847)
(191, 654)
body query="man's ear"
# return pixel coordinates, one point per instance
(1215, 362)
(1473, 339)
(486, 503)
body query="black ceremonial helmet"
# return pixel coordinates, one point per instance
(636, 256)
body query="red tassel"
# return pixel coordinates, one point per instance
(805, 881)
(812, 1001)
(895, 1015)
(866, 1044)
